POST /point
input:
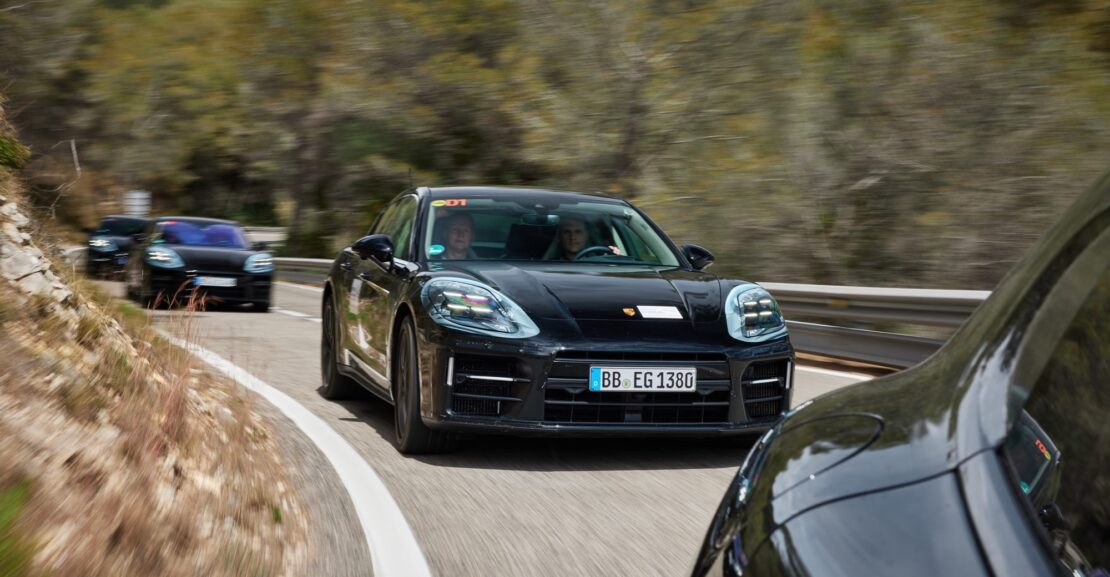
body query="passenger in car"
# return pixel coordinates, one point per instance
(459, 234)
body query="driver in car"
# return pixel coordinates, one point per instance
(574, 235)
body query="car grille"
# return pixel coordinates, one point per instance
(567, 398)
(764, 388)
(484, 386)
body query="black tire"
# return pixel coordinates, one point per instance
(261, 306)
(335, 384)
(413, 437)
(144, 298)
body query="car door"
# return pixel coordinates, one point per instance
(377, 288)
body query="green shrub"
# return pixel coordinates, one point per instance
(16, 552)
(12, 153)
(88, 330)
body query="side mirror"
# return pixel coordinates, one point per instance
(1053, 518)
(699, 257)
(260, 246)
(376, 246)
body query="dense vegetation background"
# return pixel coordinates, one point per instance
(876, 142)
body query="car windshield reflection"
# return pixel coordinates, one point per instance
(556, 231)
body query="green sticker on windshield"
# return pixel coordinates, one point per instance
(436, 249)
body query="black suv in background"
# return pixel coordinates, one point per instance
(110, 243)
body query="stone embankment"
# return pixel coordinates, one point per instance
(118, 455)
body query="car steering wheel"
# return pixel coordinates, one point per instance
(602, 249)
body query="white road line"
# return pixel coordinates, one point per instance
(297, 314)
(300, 286)
(394, 551)
(844, 375)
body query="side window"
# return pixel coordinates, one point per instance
(1059, 449)
(397, 223)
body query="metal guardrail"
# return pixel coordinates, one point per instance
(302, 270)
(890, 306)
(943, 308)
(846, 304)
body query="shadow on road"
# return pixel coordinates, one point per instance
(578, 454)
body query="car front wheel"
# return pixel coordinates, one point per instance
(412, 435)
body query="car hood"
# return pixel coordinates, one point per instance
(211, 258)
(865, 438)
(596, 295)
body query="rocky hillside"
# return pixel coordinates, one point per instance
(120, 456)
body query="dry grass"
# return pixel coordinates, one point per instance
(121, 457)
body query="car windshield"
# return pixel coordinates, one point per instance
(542, 228)
(116, 226)
(200, 234)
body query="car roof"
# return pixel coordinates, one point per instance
(125, 217)
(196, 220)
(507, 192)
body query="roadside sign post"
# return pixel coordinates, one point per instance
(136, 203)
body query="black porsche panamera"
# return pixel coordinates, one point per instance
(488, 309)
(179, 257)
(109, 244)
(990, 458)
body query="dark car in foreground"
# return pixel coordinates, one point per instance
(486, 310)
(182, 257)
(990, 458)
(109, 244)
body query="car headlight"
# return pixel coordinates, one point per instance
(472, 307)
(259, 263)
(753, 314)
(103, 244)
(164, 258)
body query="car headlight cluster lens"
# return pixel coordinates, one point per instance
(472, 307)
(259, 263)
(754, 315)
(164, 258)
(103, 244)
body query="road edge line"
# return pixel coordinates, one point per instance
(314, 289)
(858, 377)
(394, 551)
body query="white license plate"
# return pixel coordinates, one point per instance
(657, 380)
(214, 281)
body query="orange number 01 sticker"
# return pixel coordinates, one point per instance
(450, 202)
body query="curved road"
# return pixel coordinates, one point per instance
(499, 506)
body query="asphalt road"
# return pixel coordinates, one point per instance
(499, 506)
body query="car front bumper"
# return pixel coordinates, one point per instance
(541, 388)
(180, 286)
(105, 262)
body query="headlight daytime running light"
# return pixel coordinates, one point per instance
(472, 307)
(753, 315)
(103, 244)
(259, 263)
(164, 258)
